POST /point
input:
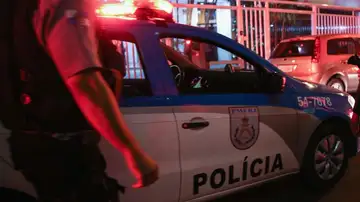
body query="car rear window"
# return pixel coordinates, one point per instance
(341, 46)
(294, 49)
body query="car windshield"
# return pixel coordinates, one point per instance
(294, 49)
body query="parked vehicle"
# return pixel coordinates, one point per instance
(321, 59)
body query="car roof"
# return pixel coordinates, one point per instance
(322, 36)
(138, 27)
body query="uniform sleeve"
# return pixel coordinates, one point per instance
(66, 29)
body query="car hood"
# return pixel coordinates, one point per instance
(314, 89)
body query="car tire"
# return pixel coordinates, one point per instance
(336, 83)
(315, 160)
(10, 195)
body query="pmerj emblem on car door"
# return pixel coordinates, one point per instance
(244, 126)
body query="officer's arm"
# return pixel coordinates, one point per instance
(99, 105)
(67, 33)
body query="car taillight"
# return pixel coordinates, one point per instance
(316, 56)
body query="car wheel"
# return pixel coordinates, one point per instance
(337, 84)
(326, 157)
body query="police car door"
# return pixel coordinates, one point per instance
(148, 117)
(229, 135)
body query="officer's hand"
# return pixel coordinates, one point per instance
(146, 171)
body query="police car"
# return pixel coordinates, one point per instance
(215, 116)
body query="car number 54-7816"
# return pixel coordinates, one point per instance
(314, 102)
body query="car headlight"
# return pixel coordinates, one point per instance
(351, 101)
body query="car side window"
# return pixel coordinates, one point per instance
(135, 82)
(341, 46)
(204, 68)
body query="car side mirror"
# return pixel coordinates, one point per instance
(229, 68)
(274, 83)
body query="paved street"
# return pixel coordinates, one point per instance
(290, 190)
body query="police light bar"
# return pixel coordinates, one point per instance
(137, 8)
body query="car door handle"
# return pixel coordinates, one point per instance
(195, 125)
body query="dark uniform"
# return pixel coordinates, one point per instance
(63, 160)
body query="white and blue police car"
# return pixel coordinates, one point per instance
(215, 116)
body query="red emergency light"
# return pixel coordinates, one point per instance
(139, 9)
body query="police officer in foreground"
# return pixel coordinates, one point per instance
(59, 154)
(355, 60)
